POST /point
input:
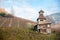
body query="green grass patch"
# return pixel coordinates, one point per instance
(15, 33)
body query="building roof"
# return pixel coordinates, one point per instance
(41, 11)
(44, 22)
(41, 15)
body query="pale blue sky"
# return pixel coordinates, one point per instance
(29, 9)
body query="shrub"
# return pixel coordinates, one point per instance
(2, 14)
(58, 36)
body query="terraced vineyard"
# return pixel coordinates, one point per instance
(13, 22)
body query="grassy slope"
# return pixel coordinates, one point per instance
(20, 33)
(15, 33)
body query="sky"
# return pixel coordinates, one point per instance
(29, 9)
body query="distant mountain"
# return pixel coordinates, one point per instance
(54, 18)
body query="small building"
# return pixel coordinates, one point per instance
(43, 25)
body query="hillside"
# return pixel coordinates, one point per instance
(14, 28)
(19, 33)
(56, 27)
(8, 20)
(14, 21)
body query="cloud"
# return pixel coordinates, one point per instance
(25, 11)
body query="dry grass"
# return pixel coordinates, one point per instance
(15, 33)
